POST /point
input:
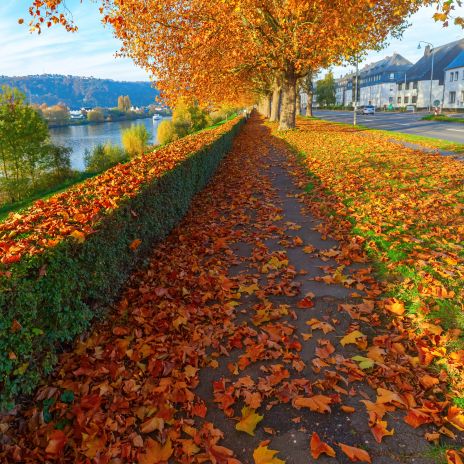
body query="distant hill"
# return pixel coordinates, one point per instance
(77, 92)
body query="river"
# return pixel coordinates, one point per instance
(82, 138)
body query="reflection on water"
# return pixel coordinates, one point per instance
(81, 138)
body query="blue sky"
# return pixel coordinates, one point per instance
(90, 51)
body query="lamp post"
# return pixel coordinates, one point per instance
(431, 71)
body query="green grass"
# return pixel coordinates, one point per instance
(428, 142)
(443, 118)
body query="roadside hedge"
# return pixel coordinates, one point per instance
(49, 297)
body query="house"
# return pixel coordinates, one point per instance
(76, 115)
(453, 85)
(378, 81)
(343, 90)
(415, 88)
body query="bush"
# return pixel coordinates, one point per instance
(166, 132)
(77, 249)
(96, 115)
(104, 157)
(135, 139)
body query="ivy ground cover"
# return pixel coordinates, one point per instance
(244, 339)
(64, 258)
(406, 209)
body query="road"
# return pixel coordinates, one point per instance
(409, 123)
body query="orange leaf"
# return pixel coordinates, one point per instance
(79, 236)
(355, 454)
(263, 455)
(379, 430)
(156, 452)
(453, 457)
(56, 442)
(135, 244)
(456, 417)
(428, 381)
(395, 306)
(316, 403)
(416, 418)
(318, 447)
(305, 303)
(150, 425)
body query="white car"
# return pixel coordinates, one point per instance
(368, 109)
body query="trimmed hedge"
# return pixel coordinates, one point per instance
(52, 297)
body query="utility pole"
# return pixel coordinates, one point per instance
(355, 106)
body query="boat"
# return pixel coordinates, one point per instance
(156, 117)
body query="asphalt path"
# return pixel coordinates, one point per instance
(409, 123)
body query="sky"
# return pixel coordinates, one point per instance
(91, 51)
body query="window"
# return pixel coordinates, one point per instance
(462, 96)
(414, 85)
(400, 86)
(452, 97)
(399, 100)
(407, 86)
(406, 99)
(392, 76)
(456, 75)
(390, 99)
(414, 99)
(451, 76)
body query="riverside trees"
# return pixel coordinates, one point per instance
(227, 51)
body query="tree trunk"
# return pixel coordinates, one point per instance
(288, 112)
(299, 108)
(268, 105)
(275, 105)
(309, 107)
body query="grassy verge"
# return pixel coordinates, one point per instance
(426, 142)
(406, 208)
(442, 118)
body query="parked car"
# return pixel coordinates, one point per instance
(368, 109)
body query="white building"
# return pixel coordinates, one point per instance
(422, 90)
(453, 86)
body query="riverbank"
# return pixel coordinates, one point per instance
(85, 122)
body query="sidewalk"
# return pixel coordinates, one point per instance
(243, 306)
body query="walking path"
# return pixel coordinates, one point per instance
(242, 323)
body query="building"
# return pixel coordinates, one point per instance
(453, 85)
(416, 89)
(378, 81)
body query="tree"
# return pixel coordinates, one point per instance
(29, 162)
(217, 51)
(121, 103)
(56, 113)
(135, 139)
(127, 103)
(325, 90)
(96, 115)
(23, 134)
(307, 86)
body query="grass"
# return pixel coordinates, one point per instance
(443, 118)
(427, 142)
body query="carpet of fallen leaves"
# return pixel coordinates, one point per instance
(129, 391)
(406, 208)
(77, 211)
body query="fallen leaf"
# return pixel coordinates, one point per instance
(318, 447)
(316, 403)
(56, 442)
(263, 455)
(355, 454)
(351, 338)
(155, 452)
(379, 430)
(249, 421)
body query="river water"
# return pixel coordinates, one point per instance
(81, 138)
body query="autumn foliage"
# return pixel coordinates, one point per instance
(403, 207)
(64, 256)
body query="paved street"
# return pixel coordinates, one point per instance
(409, 123)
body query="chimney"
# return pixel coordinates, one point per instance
(428, 50)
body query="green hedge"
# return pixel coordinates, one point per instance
(55, 295)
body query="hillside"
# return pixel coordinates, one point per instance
(77, 92)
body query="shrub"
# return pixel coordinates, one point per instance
(66, 257)
(96, 115)
(104, 157)
(135, 139)
(166, 132)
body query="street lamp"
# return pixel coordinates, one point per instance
(431, 71)
(355, 106)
